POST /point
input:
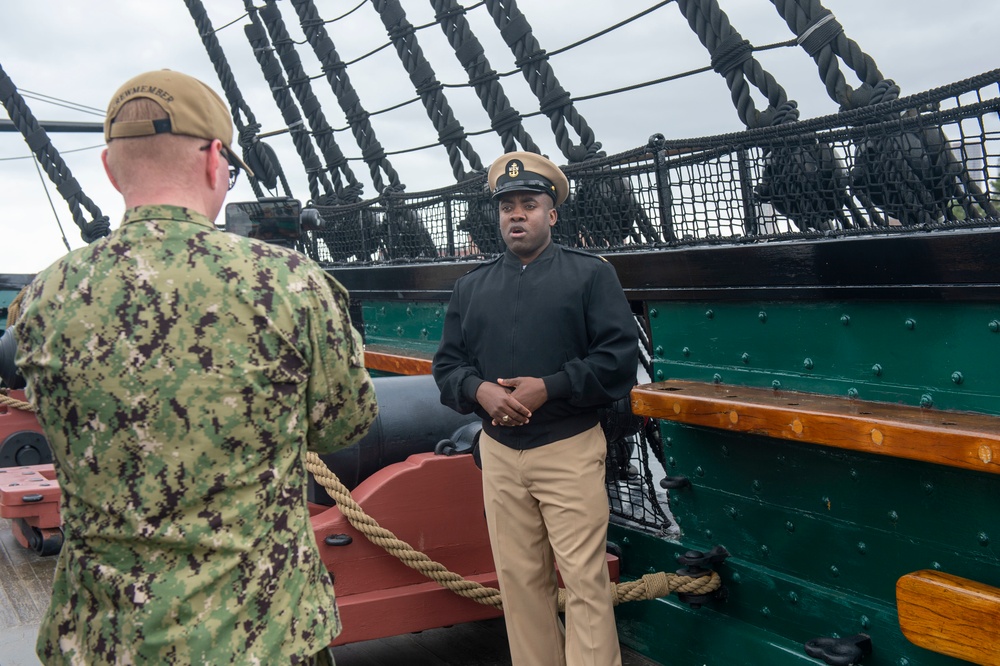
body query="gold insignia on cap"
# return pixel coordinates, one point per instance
(513, 168)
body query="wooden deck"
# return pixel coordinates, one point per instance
(25, 585)
(26, 579)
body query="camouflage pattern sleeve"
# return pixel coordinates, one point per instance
(341, 397)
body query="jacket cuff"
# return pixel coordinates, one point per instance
(558, 385)
(470, 385)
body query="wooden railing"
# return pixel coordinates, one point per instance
(956, 439)
(396, 361)
(951, 615)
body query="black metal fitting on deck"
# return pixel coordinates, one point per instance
(840, 651)
(697, 565)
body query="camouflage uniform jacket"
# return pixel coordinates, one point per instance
(180, 373)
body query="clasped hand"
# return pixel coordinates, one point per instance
(511, 401)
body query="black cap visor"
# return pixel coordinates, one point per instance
(526, 183)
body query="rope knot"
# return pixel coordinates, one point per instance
(731, 53)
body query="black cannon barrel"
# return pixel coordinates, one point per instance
(9, 375)
(411, 419)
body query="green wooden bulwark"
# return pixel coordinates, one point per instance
(835, 412)
(10, 285)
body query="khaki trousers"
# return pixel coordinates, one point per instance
(548, 506)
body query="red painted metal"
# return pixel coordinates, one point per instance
(29, 496)
(432, 502)
(14, 420)
(435, 504)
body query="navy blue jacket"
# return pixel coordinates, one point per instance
(563, 318)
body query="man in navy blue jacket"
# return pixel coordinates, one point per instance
(536, 342)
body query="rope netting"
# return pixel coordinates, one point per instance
(884, 164)
(923, 162)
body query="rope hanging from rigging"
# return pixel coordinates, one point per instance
(806, 182)
(504, 119)
(260, 156)
(553, 100)
(451, 134)
(347, 97)
(336, 163)
(913, 176)
(316, 176)
(48, 157)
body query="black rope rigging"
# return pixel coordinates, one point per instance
(66, 104)
(372, 151)
(347, 13)
(41, 178)
(271, 69)
(823, 38)
(732, 57)
(48, 157)
(451, 134)
(336, 163)
(347, 97)
(912, 176)
(481, 219)
(553, 100)
(504, 119)
(609, 29)
(581, 98)
(258, 155)
(806, 182)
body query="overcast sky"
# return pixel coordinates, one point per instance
(82, 51)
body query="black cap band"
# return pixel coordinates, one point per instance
(525, 181)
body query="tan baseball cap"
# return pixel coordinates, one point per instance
(193, 109)
(522, 171)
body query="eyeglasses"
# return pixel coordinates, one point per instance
(234, 168)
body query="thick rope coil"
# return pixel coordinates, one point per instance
(650, 586)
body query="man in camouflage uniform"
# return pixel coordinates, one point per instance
(180, 373)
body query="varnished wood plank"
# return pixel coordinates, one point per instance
(950, 615)
(396, 361)
(956, 439)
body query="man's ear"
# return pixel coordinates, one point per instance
(553, 216)
(107, 170)
(212, 167)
